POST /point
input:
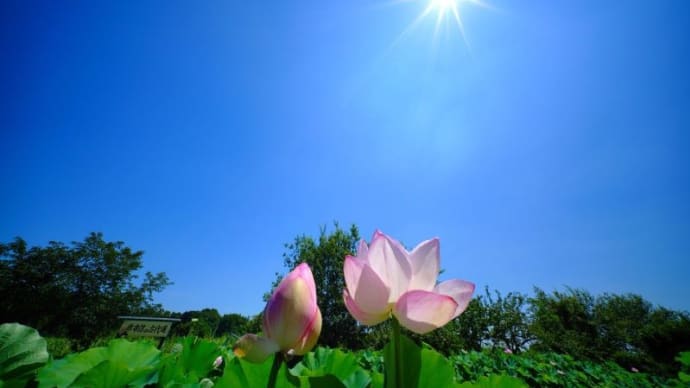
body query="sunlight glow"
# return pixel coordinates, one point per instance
(444, 8)
(444, 11)
(443, 5)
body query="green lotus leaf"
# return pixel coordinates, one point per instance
(22, 352)
(332, 362)
(192, 363)
(134, 363)
(240, 373)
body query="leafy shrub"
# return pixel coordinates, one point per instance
(59, 347)
(550, 370)
(684, 373)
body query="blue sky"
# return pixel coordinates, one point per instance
(550, 149)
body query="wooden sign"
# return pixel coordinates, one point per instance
(146, 327)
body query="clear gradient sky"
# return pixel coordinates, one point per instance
(550, 149)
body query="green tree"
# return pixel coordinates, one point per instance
(471, 327)
(665, 334)
(234, 325)
(200, 323)
(623, 328)
(620, 320)
(563, 323)
(325, 256)
(507, 322)
(75, 291)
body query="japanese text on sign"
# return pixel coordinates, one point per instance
(145, 328)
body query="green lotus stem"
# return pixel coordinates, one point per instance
(397, 351)
(277, 362)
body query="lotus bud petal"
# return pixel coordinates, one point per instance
(292, 316)
(291, 320)
(253, 348)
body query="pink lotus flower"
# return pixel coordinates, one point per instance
(385, 279)
(507, 351)
(292, 320)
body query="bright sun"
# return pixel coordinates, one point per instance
(445, 11)
(444, 6)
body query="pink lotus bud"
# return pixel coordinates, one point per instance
(218, 362)
(385, 279)
(291, 322)
(507, 351)
(634, 370)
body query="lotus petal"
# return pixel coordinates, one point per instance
(389, 260)
(424, 311)
(461, 291)
(425, 262)
(369, 292)
(361, 316)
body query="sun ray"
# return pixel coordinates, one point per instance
(447, 12)
(461, 27)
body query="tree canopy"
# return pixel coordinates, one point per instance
(623, 328)
(75, 291)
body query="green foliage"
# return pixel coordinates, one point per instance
(190, 363)
(325, 257)
(370, 360)
(684, 373)
(203, 323)
(469, 331)
(507, 321)
(564, 323)
(75, 291)
(622, 328)
(59, 347)
(239, 373)
(322, 368)
(495, 381)
(421, 366)
(22, 352)
(665, 334)
(121, 363)
(322, 365)
(233, 325)
(549, 370)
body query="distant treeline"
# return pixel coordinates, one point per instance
(78, 291)
(622, 328)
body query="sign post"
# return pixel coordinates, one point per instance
(146, 327)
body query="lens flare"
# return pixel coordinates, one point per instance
(449, 9)
(443, 6)
(445, 12)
